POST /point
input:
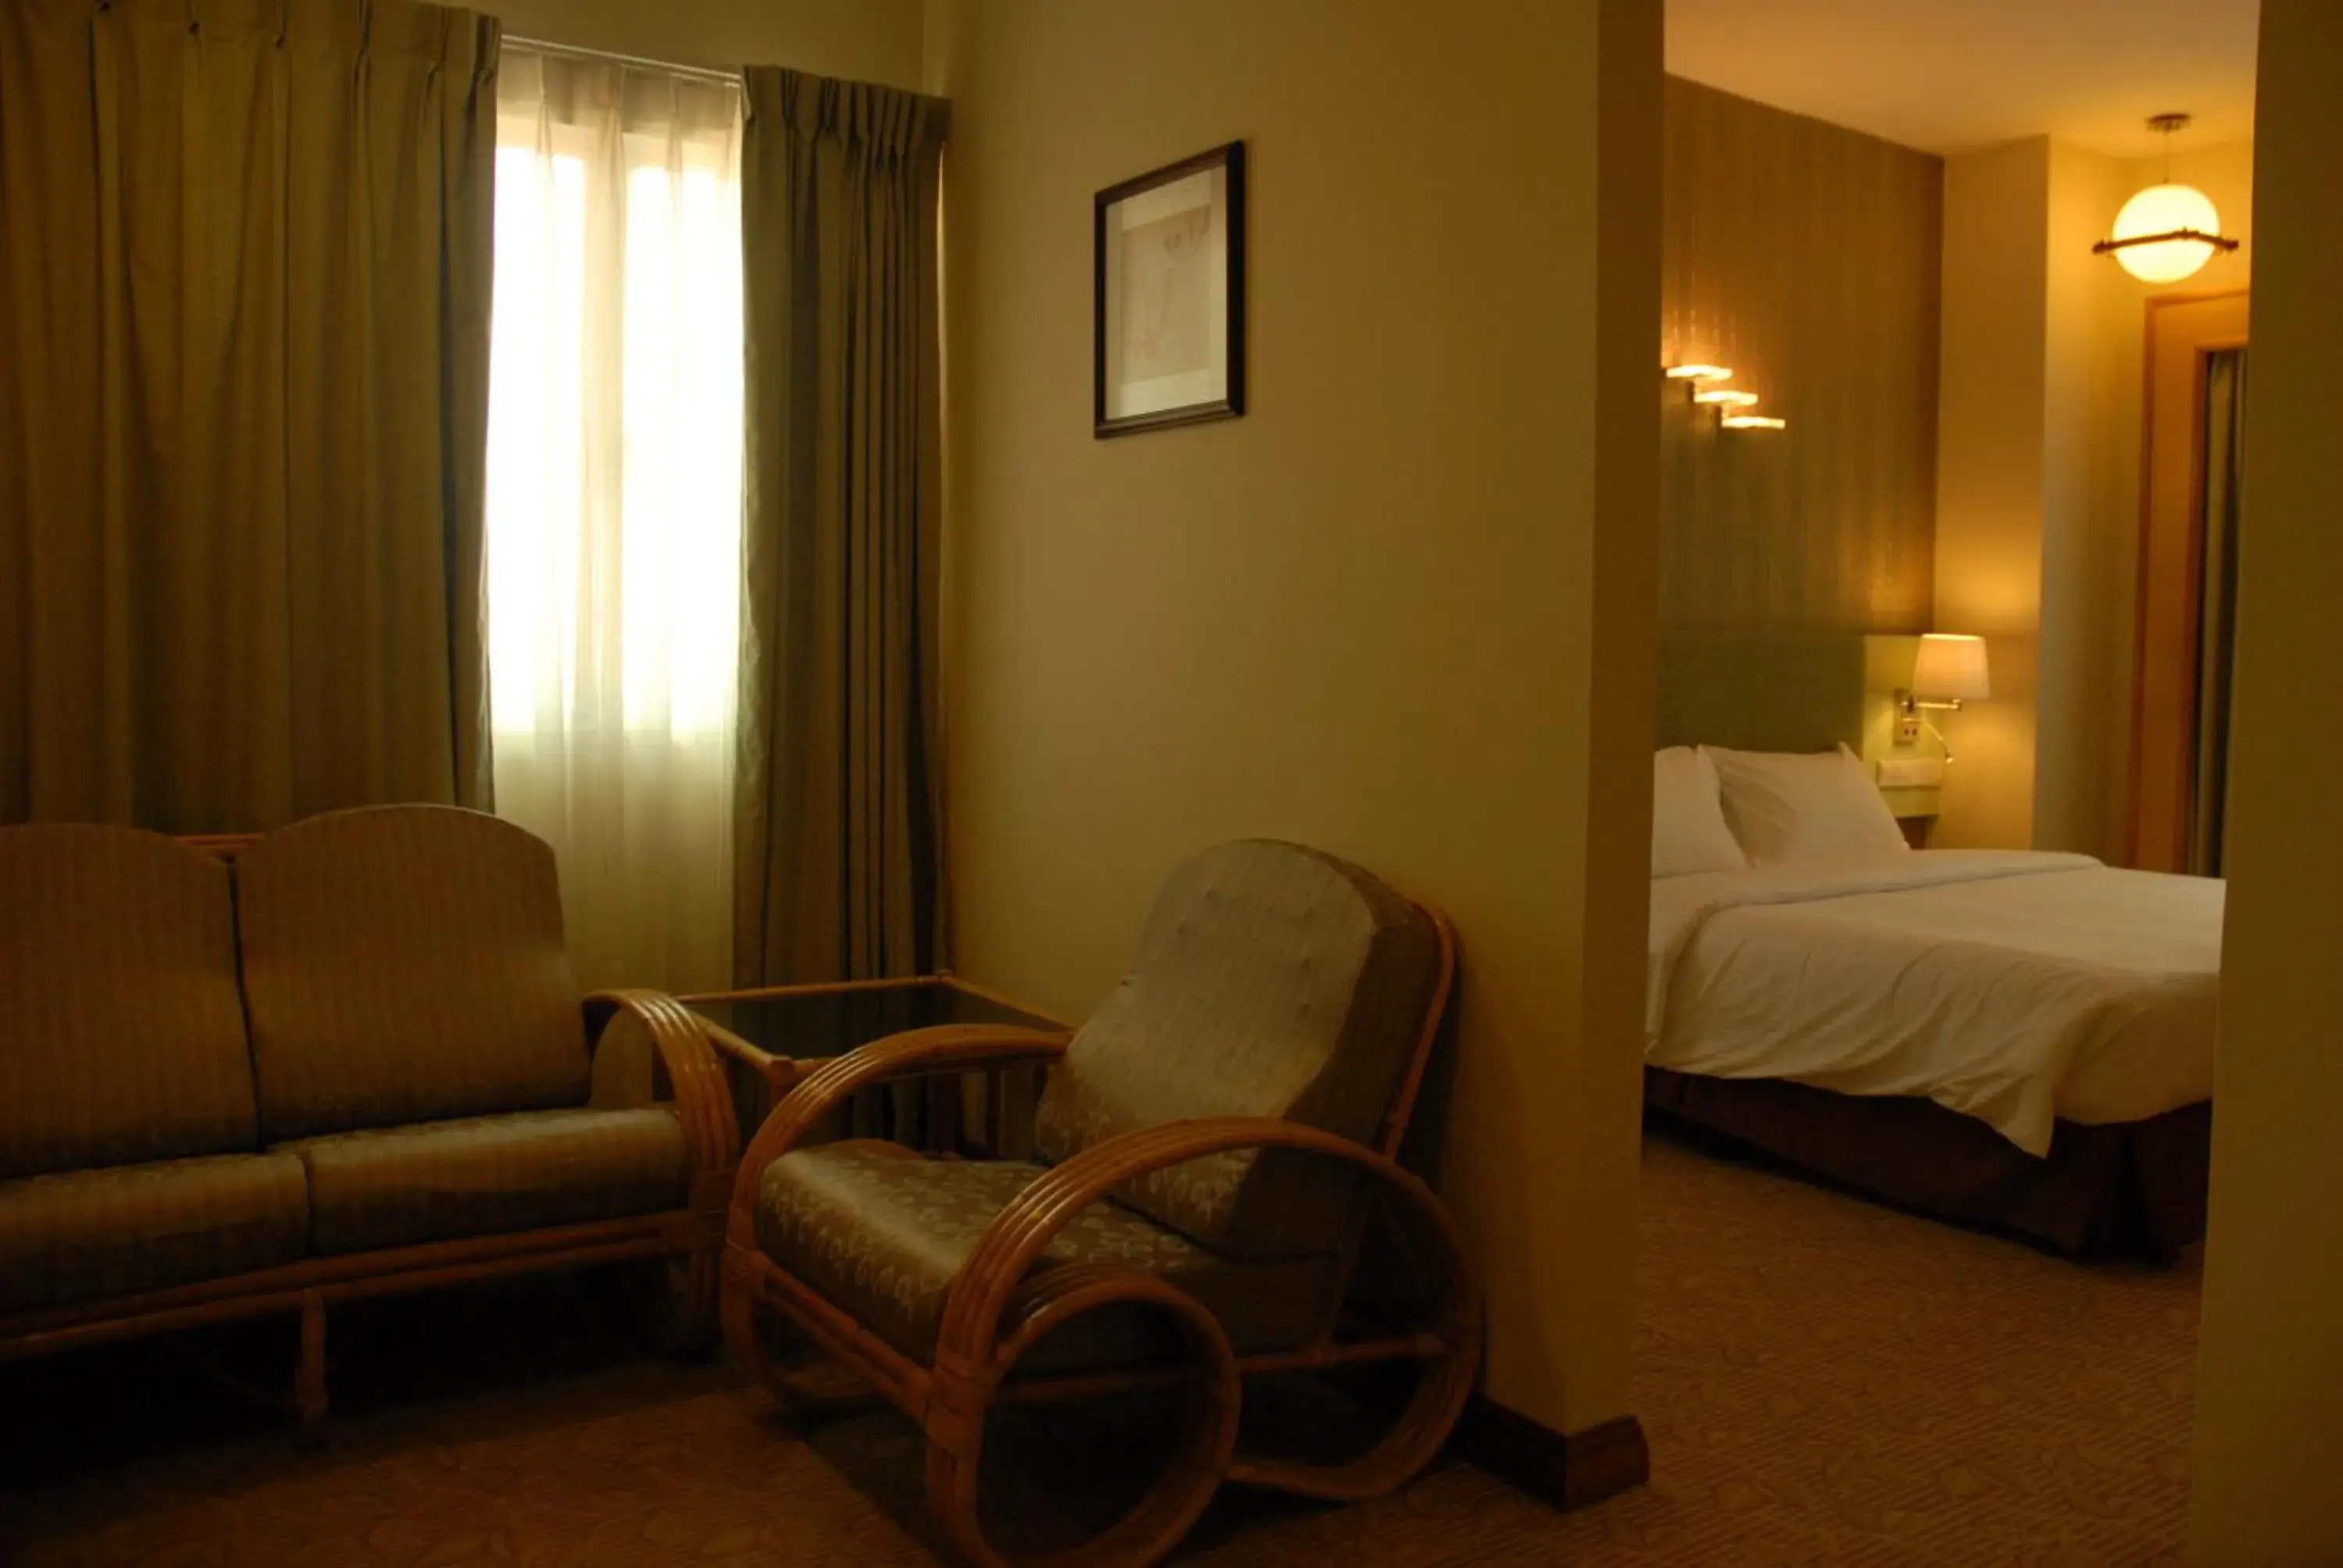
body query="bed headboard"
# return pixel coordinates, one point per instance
(1763, 691)
(1796, 691)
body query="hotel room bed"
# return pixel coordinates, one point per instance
(2013, 1040)
(2023, 1040)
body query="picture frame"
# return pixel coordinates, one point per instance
(1167, 321)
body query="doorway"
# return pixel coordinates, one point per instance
(2190, 500)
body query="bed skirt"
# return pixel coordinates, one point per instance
(2131, 1190)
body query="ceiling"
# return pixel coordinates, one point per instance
(1947, 75)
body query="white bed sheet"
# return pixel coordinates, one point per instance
(2014, 987)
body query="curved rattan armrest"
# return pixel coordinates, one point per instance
(703, 1098)
(777, 1070)
(944, 1048)
(967, 1342)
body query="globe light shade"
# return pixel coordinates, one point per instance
(2163, 209)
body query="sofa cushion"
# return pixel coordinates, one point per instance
(87, 1235)
(881, 1231)
(1271, 981)
(393, 1186)
(125, 1039)
(402, 964)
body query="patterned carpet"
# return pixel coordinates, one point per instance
(1823, 1381)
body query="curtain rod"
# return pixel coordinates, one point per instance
(574, 51)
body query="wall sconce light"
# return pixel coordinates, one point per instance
(2167, 232)
(1949, 670)
(1732, 405)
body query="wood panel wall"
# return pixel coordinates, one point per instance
(1807, 257)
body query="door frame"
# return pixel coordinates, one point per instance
(2167, 611)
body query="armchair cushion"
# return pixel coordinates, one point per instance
(394, 1186)
(405, 964)
(118, 977)
(1271, 981)
(881, 1231)
(86, 1235)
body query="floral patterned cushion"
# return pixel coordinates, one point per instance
(1271, 981)
(87, 1235)
(881, 1230)
(394, 1186)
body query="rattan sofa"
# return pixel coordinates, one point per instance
(344, 1059)
(1216, 1147)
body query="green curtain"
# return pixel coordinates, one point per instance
(2223, 505)
(243, 294)
(839, 839)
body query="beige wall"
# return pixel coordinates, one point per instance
(2089, 520)
(2084, 790)
(1804, 256)
(2038, 480)
(1367, 614)
(863, 40)
(1991, 472)
(2110, 657)
(2269, 1389)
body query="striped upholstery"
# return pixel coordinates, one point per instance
(402, 964)
(124, 1038)
(883, 1231)
(388, 1187)
(86, 1235)
(1271, 981)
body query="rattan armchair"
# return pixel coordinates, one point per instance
(1281, 1013)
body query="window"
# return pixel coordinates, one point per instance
(614, 498)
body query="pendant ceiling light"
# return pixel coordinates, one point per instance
(2168, 231)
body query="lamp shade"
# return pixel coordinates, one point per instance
(1951, 668)
(2166, 210)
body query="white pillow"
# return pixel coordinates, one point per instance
(1688, 830)
(1822, 806)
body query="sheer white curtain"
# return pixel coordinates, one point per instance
(614, 502)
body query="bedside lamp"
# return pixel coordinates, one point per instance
(1950, 670)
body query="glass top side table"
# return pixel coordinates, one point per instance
(771, 1039)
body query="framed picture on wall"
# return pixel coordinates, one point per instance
(1168, 295)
